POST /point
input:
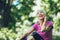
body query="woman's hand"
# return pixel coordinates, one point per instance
(22, 38)
(43, 25)
(45, 19)
(27, 33)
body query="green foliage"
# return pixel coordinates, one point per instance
(19, 14)
(57, 24)
(10, 34)
(56, 37)
(23, 8)
(6, 34)
(52, 8)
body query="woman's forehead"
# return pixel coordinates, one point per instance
(41, 13)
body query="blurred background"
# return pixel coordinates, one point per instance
(17, 16)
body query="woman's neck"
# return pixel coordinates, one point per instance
(41, 21)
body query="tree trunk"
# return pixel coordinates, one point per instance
(5, 12)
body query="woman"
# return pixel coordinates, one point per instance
(43, 27)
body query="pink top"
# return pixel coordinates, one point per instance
(45, 35)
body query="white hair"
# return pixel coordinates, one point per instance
(41, 11)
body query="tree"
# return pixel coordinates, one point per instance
(5, 11)
(22, 9)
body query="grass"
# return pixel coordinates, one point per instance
(56, 37)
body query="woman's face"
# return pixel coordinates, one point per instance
(40, 16)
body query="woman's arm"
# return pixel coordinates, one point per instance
(45, 28)
(27, 33)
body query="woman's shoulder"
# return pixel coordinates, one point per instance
(34, 25)
(49, 22)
